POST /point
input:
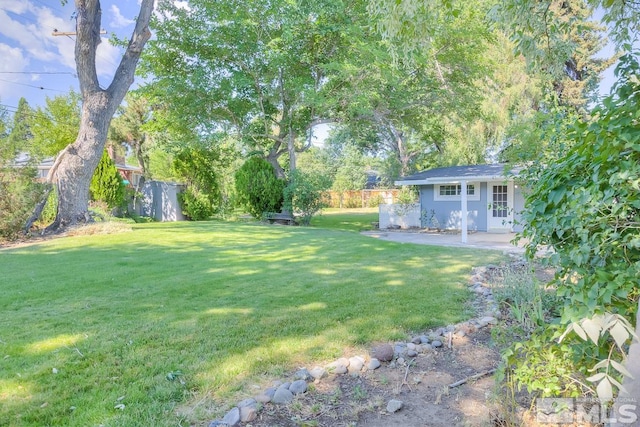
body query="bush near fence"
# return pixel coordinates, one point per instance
(360, 198)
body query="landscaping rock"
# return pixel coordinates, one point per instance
(263, 398)
(284, 385)
(318, 373)
(436, 344)
(282, 395)
(416, 340)
(394, 405)
(247, 402)
(373, 364)
(248, 413)
(424, 339)
(355, 364)
(487, 320)
(411, 346)
(343, 361)
(399, 348)
(338, 370)
(383, 352)
(412, 353)
(270, 392)
(303, 374)
(298, 387)
(232, 419)
(338, 367)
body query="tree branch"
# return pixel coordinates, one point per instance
(125, 73)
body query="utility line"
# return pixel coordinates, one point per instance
(38, 72)
(33, 86)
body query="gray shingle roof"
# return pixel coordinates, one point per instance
(456, 173)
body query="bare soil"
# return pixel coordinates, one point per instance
(422, 384)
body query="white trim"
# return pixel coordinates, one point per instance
(502, 224)
(454, 180)
(471, 197)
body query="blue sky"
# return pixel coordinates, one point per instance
(35, 64)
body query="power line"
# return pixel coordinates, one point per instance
(38, 72)
(33, 86)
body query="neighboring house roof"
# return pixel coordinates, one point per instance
(453, 174)
(46, 164)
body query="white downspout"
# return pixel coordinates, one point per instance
(463, 209)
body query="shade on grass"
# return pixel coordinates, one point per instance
(215, 305)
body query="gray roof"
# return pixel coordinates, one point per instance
(498, 171)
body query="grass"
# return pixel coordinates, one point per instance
(164, 324)
(346, 219)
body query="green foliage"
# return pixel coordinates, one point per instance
(20, 137)
(128, 127)
(195, 205)
(263, 70)
(257, 187)
(560, 41)
(351, 170)
(586, 206)
(542, 368)
(304, 194)
(19, 191)
(50, 209)
(197, 167)
(56, 125)
(19, 194)
(529, 361)
(106, 184)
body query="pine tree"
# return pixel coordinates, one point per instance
(106, 184)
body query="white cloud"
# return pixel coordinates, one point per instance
(118, 20)
(13, 60)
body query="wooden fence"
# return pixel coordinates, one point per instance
(360, 198)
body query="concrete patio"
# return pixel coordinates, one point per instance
(481, 240)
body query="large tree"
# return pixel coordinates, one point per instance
(411, 104)
(74, 167)
(254, 69)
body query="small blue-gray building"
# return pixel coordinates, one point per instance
(478, 198)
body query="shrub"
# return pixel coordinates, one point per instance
(197, 167)
(585, 206)
(304, 194)
(19, 194)
(257, 187)
(196, 206)
(106, 184)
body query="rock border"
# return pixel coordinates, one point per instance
(398, 354)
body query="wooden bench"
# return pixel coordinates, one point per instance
(280, 218)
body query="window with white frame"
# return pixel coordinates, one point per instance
(454, 191)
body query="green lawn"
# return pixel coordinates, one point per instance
(93, 322)
(346, 219)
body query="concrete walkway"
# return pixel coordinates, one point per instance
(481, 240)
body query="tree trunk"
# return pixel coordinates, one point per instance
(76, 168)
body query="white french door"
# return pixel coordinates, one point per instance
(500, 205)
